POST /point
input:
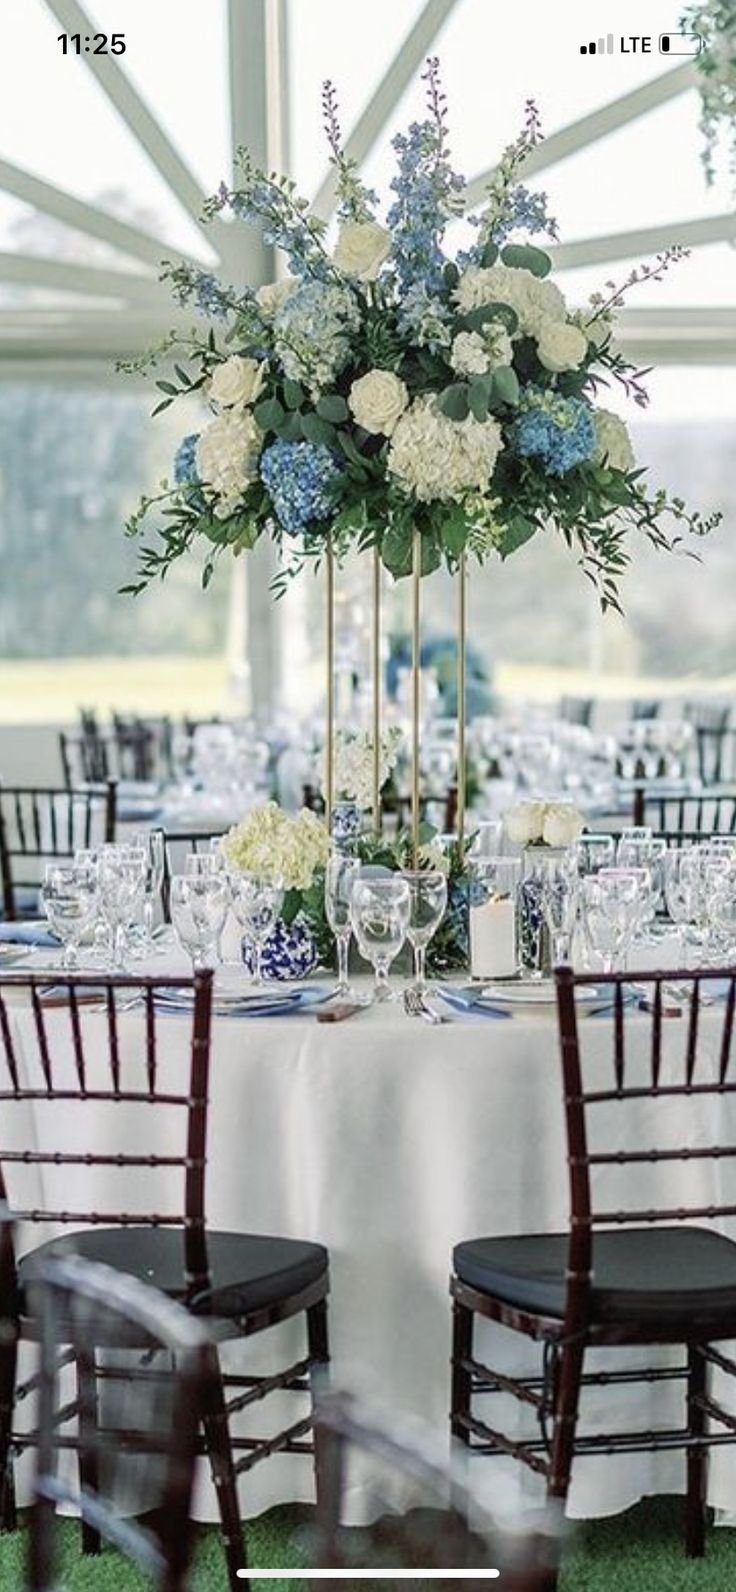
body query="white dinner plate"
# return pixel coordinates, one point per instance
(531, 992)
(10, 953)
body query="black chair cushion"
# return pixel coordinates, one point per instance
(657, 1275)
(249, 1272)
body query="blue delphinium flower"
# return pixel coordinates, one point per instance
(185, 461)
(427, 196)
(299, 477)
(557, 430)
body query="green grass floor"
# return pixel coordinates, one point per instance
(640, 1551)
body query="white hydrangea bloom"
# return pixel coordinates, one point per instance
(352, 772)
(614, 443)
(440, 459)
(475, 353)
(275, 846)
(533, 298)
(227, 457)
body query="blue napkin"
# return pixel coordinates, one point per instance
(470, 1002)
(28, 934)
(298, 1000)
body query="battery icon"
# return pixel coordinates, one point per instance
(680, 43)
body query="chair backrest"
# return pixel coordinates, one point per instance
(643, 710)
(447, 1525)
(152, 1413)
(716, 754)
(177, 843)
(623, 1095)
(577, 710)
(715, 813)
(68, 1044)
(38, 824)
(143, 747)
(85, 759)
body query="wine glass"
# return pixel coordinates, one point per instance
(379, 912)
(149, 848)
(69, 896)
(257, 903)
(593, 852)
(121, 881)
(560, 906)
(681, 885)
(612, 904)
(427, 902)
(199, 907)
(340, 876)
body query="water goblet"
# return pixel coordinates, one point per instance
(379, 911)
(69, 895)
(427, 902)
(560, 906)
(257, 903)
(681, 886)
(199, 907)
(121, 881)
(592, 852)
(340, 875)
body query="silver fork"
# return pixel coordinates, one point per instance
(416, 1005)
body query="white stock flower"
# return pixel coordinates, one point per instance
(361, 248)
(377, 400)
(352, 770)
(275, 846)
(227, 456)
(524, 823)
(469, 355)
(272, 295)
(562, 824)
(440, 459)
(614, 444)
(533, 298)
(560, 345)
(236, 381)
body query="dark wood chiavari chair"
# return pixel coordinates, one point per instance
(143, 747)
(85, 759)
(576, 710)
(40, 824)
(714, 812)
(153, 1413)
(236, 1284)
(638, 1274)
(447, 1529)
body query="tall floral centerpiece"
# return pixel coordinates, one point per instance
(423, 405)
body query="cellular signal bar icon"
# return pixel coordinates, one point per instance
(603, 47)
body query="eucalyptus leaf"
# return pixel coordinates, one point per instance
(396, 548)
(293, 394)
(517, 531)
(489, 255)
(332, 407)
(478, 398)
(317, 430)
(455, 401)
(475, 320)
(506, 385)
(269, 413)
(290, 428)
(527, 258)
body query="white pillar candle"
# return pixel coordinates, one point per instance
(493, 939)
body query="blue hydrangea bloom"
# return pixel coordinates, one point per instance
(299, 476)
(185, 461)
(558, 431)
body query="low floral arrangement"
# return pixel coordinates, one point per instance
(352, 773)
(539, 823)
(276, 846)
(386, 386)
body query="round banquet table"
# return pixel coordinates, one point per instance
(388, 1141)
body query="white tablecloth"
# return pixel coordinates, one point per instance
(389, 1141)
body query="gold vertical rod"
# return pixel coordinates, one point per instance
(462, 625)
(330, 666)
(376, 661)
(416, 683)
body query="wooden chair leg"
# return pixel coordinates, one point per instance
(318, 1349)
(220, 1455)
(697, 1458)
(88, 1451)
(8, 1366)
(462, 1349)
(567, 1401)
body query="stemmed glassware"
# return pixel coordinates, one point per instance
(69, 895)
(149, 848)
(427, 902)
(560, 906)
(593, 852)
(257, 903)
(612, 906)
(681, 886)
(340, 876)
(199, 905)
(379, 911)
(121, 881)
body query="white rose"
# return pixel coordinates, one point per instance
(533, 299)
(377, 400)
(272, 295)
(236, 381)
(614, 444)
(524, 823)
(562, 824)
(362, 247)
(227, 456)
(561, 346)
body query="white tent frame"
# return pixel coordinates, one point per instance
(73, 338)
